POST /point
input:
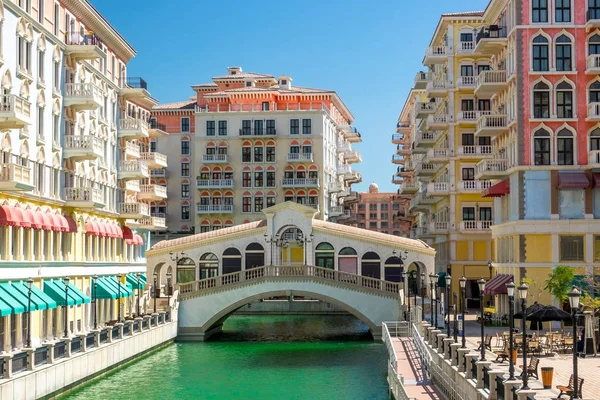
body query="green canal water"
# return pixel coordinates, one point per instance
(258, 358)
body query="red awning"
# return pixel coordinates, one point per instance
(23, 217)
(119, 231)
(71, 224)
(573, 180)
(6, 216)
(498, 190)
(61, 221)
(137, 240)
(47, 220)
(91, 228)
(37, 219)
(110, 230)
(596, 179)
(497, 285)
(102, 229)
(57, 225)
(127, 234)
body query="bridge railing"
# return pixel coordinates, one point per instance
(283, 271)
(395, 379)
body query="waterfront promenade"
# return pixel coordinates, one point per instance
(409, 366)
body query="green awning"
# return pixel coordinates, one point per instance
(441, 280)
(132, 280)
(56, 290)
(42, 300)
(13, 297)
(78, 295)
(112, 282)
(103, 291)
(143, 278)
(5, 309)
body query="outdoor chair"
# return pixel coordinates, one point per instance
(487, 342)
(568, 390)
(502, 355)
(532, 368)
(534, 347)
(567, 344)
(499, 341)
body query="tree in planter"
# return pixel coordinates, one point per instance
(560, 282)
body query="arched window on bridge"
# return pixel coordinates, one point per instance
(255, 255)
(371, 265)
(393, 269)
(186, 270)
(232, 260)
(325, 256)
(209, 266)
(348, 260)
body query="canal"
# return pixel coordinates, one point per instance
(258, 358)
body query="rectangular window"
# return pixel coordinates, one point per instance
(222, 128)
(466, 70)
(185, 124)
(185, 212)
(539, 11)
(56, 129)
(41, 66)
(468, 139)
(563, 57)
(185, 169)
(564, 104)
(306, 126)
(468, 213)
(372, 225)
(56, 18)
(484, 140)
(541, 151)
(258, 204)
(40, 122)
(270, 156)
(383, 216)
(467, 105)
(246, 179)
(258, 154)
(294, 126)
(563, 11)
(246, 204)
(185, 190)
(485, 214)
(271, 127)
(185, 147)
(466, 37)
(468, 174)
(258, 126)
(373, 207)
(271, 179)
(271, 201)
(246, 127)
(384, 224)
(57, 75)
(210, 128)
(571, 248)
(258, 179)
(384, 207)
(246, 154)
(541, 104)
(372, 215)
(540, 57)
(596, 248)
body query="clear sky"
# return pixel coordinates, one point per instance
(367, 50)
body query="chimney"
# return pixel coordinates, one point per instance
(285, 82)
(234, 70)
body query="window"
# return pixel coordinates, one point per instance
(468, 213)
(185, 169)
(395, 206)
(481, 68)
(468, 174)
(564, 100)
(210, 128)
(467, 105)
(56, 129)
(258, 179)
(246, 179)
(56, 75)
(222, 128)
(383, 216)
(270, 178)
(258, 154)
(372, 215)
(373, 207)
(562, 11)
(563, 53)
(246, 127)
(484, 141)
(384, 224)
(468, 139)
(270, 156)
(306, 126)
(571, 248)
(294, 126)
(541, 100)
(372, 225)
(540, 53)
(23, 54)
(466, 37)
(384, 207)
(40, 66)
(246, 154)
(185, 212)
(258, 126)
(466, 70)
(539, 11)
(485, 213)
(595, 139)
(541, 147)
(185, 124)
(564, 147)
(593, 9)
(56, 18)
(185, 147)
(271, 201)
(594, 96)
(185, 190)
(265, 106)
(258, 204)
(40, 122)
(271, 127)
(247, 204)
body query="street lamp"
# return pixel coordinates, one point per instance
(29, 284)
(510, 290)
(437, 302)
(481, 283)
(574, 296)
(523, 296)
(422, 296)
(455, 309)
(137, 275)
(154, 288)
(463, 284)
(95, 293)
(119, 298)
(175, 257)
(169, 286)
(66, 282)
(447, 299)
(303, 241)
(279, 242)
(490, 267)
(431, 279)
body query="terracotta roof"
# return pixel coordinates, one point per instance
(464, 14)
(273, 88)
(209, 235)
(242, 75)
(178, 105)
(212, 84)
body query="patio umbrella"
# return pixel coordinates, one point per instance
(549, 313)
(529, 310)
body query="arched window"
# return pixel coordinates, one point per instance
(232, 260)
(209, 265)
(594, 46)
(594, 96)
(541, 100)
(186, 270)
(371, 265)
(541, 147)
(563, 53)
(255, 255)
(348, 260)
(564, 100)
(595, 140)
(564, 147)
(325, 256)
(393, 269)
(540, 53)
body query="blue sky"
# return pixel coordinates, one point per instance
(367, 51)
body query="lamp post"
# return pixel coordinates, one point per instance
(455, 309)
(169, 286)
(119, 297)
(403, 255)
(437, 302)
(279, 242)
(95, 293)
(481, 283)
(523, 296)
(463, 284)
(490, 267)
(137, 276)
(574, 296)
(405, 284)
(175, 257)
(66, 282)
(431, 279)
(154, 288)
(29, 284)
(510, 290)
(447, 299)
(303, 241)
(422, 296)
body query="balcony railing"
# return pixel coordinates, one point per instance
(437, 51)
(300, 157)
(214, 208)
(88, 194)
(301, 182)
(84, 90)
(474, 150)
(593, 63)
(439, 226)
(474, 185)
(258, 132)
(153, 221)
(475, 225)
(137, 83)
(428, 107)
(491, 32)
(593, 111)
(15, 111)
(214, 158)
(437, 187)
(491, 78)
(397, 137)
(154, 159)
(472, 116)
(76, 39)
(594, 157)
(465, 47)
(214, 183)
(133, 185)
(134, 166)
(492, 165)
(492, 124)
(132, 149)
(134, 209)
(133, 124)
(313, 106)
(84, 142)
(468, 81)
(157, 190)
(159, 173)
(14, 173)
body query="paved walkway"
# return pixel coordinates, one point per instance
(409, 366)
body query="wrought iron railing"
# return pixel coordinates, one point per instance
(104, 336)
(19, 362)
(41, 356)
(115, 332)
(90, 340)
(60, 350)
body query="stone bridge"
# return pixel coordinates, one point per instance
(206, 303)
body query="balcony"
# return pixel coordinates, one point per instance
(439, 121)
(436, 55)
(593, 113)
(473, 186)
(300, 182)
(491, 125)
(397, 138)
(424, 109)
(351, 134)
(214, 158)
(344, 169)
(398, 160)
(134, 210)
(214, 208)
(408, 187)
(335, 187)
(214, 183)
(475, 151)
(593, 64)
(421, 80)
(426, 169)
(83, 47)
(439, 227)
(402, 171)
(352, 156)
(438, 155)
(262, 132)
(396, 180)
(419, 232)
(156, 222)
(475, 226)
(592, 18)
(135, 88)
(353, 177)
(438, 188)
(14, 177)
(83, 96)
(421, 202)
(157, 130)
(84, 197)
(135, 169)
(465, 82)
(336, 211)
(437, 88)
(152, 192)
(409, 165)
(300, 157)
(132, 150)
(594, 159)
(465, 48)
(133, 186)
(15, 112)
(352, 197)
(83, 147)
(491, 39)
(159, 173)
(489, 83)
(154, 160)
(401, 150)
(403, 127)
(133, 128)
(470, 117)
(491, 169)
(426, 138)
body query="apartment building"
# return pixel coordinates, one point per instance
(75, 190)
(256, 141)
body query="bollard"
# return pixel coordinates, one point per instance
(481, 366)
(454, 347)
